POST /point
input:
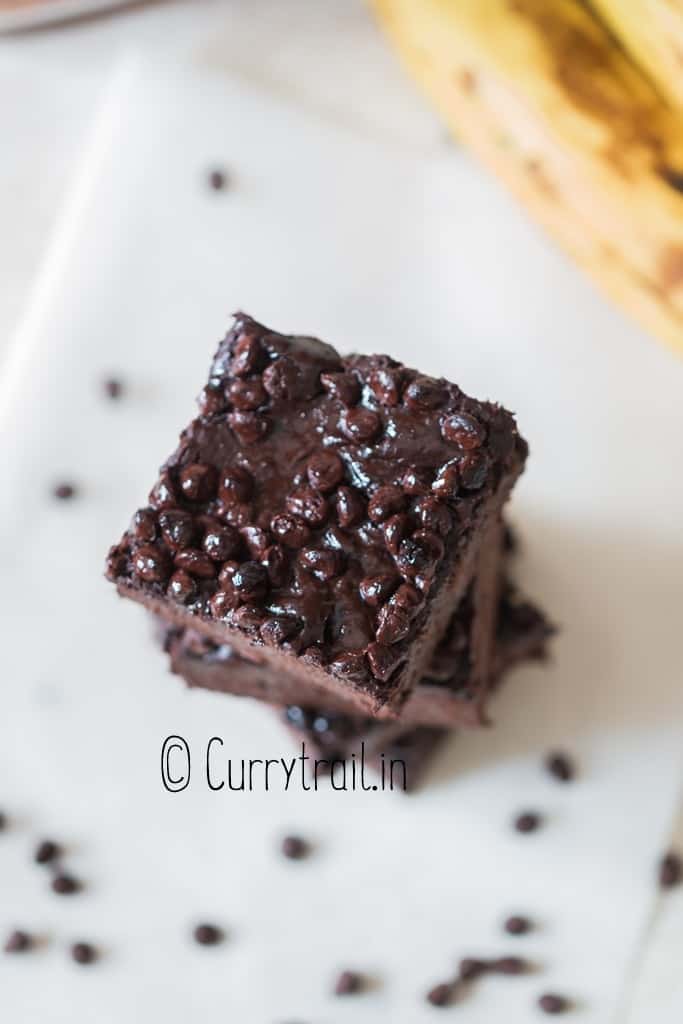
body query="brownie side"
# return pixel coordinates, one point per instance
(323, 510)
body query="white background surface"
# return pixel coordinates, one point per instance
(394, 243)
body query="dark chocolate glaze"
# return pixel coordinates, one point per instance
(305, 478)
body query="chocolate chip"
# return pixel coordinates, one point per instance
(247, 394)
(248, 617)
(248, 356)
(342, 386)
(250, 582)
(144, 525)
(471, 967)
(181, 587)
(217, 180)
(510, 965)
(274, 561)
(560, 766)
(446, 484)
(383, 660)
(196, 563)
(323, 563)
(207, 934)
(417, 480)
(308, 505)
(235, 486)
(552, 1003)
(349, 506)
(197, 482)
(348, 983)
(408, 597)
(256, 539)
(385, 385)
(325, 471)
(64, 491)
(290, 531)
(385, 502)
(83, 953)
(463, 430)
(294, 847)
(350, 665)
(250, 427)
(395, 530)
(221, 543)
(46, 851)
(670, 870)
(281, 379)
(18, 942)
(177, 528)
(112, 387)
(314, 656)
(211, 401)
(223, 603)
(473, 469)
(517, 925)
(277, 629)
(162, 494)
(65, 884)
(393, 625)
(433, 515)
(441, 995)
(376, 590)
(419, 555)
(360, 425)
(528, 821)
(152, 563)
(423, 394)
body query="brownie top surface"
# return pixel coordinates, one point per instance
(316, 500)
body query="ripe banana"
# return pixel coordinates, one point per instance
(652, 32)
(544, 96)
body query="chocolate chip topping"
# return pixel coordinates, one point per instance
(18, 942)
(528, 821)
(560, 766)
(308, 487)
(294, 847)
(46, 851)
(207, 934)
(517, 925)
(83, 953)
(550, 1002)
(65, 885)
(348, 983)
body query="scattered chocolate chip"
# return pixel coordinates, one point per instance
(552, 1003)
(528, 821)
(250, 582)
(395, 530)
(294, 847)
(441, 995)
(178, 528)
(211, 401)
(248, 355)
(152, 563)
(517, 925)
(433, 515)
(290, 531)
(196, 563)
(349, 506)
(277, 629)
(308, 505)
(348, 983)
(235, 486)
(385, 502)
(144, 524)
(281, 379)
(325, 471)
(471, 968)
(419, 555)
(65, 884)
(385, 384)
(198, 481)
(472, 470)
(376, 590)
(181, 587)
(207, 934)
(64, 491)
(46, 851)
(670, 870)
(162, 494)
(463, 430)
(417, 480)
(217, 180)
(18, 942)
(560, 766)
(423, 394)
(112, 387)
(83, 953)
(323, 563)
(221, 543)
(510, 965)
(350, 665)
(342, 386)
(393, 624)
(247, 394)
(447, 482)
(256, 539)
(383, 660)
(360, 425)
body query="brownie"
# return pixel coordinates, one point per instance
(324, 511)
(445, 697)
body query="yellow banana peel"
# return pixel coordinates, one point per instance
(544, 96)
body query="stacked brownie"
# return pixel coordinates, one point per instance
(328, 537)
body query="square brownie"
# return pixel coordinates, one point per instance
(325, 511)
